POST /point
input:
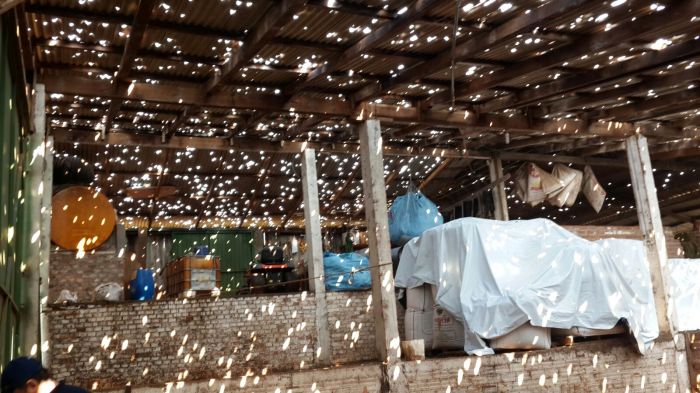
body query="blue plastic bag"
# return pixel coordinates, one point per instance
(410, 215)
(346, 272)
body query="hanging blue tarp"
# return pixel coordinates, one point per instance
(346, 272)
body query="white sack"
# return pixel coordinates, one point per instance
(533, 184)
(684, 291)
(571, 179)
(592, 189)
(497, 275)
(111, 292)
(67, 296)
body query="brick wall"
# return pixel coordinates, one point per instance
(610, 365)
(594, 232)
(84, 274)
(200, 339)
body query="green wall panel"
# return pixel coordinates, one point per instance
(233, 247)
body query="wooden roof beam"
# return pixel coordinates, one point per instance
(647, 62)
(652, 107)
(277, 15)
(120, 19)
(647, 83)
(583, 46)
(7, 5)
(133, 44)
(286, 147)
(380, 35)
(476, 44)
(193, 95)
(434, 173)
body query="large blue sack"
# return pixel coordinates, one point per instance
(410, 215)
(346, 272)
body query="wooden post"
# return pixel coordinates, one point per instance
(33, 172)
(45, 251)
(650, 224)
(500, 202)
(314, 254)
(383, 297)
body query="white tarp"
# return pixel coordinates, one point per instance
(497, 275)
(683, 288)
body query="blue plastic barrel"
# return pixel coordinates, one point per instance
(142, 287)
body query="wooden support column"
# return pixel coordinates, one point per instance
(45, 251)
(649, 214)
(383, 298)
(500, 202)
(314, 254)
(651, 226)
(30, 236)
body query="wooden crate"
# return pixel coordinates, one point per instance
(193, 273)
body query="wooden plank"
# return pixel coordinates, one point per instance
(314, 255)
(383, 298)
(500, 200)
(7, 5)
(583, 46)
(648, 213)
(478, 43)
(265, 30)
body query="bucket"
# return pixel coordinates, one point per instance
(201, 251)
(142, 287)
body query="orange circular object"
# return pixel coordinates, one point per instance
(82, 218)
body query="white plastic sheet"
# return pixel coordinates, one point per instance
(684, 290)
(497, 275)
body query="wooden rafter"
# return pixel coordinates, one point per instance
(434, 173)
(306, 125)
(7, 5)
(583, 46)
(264, 31)
(477, 44)
(385, 32)
(133, 44)
(643, 63)
(172, 56)
(653, 107)
(619, 93)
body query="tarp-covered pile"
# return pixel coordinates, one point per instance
(684, 290)
(497, 275)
